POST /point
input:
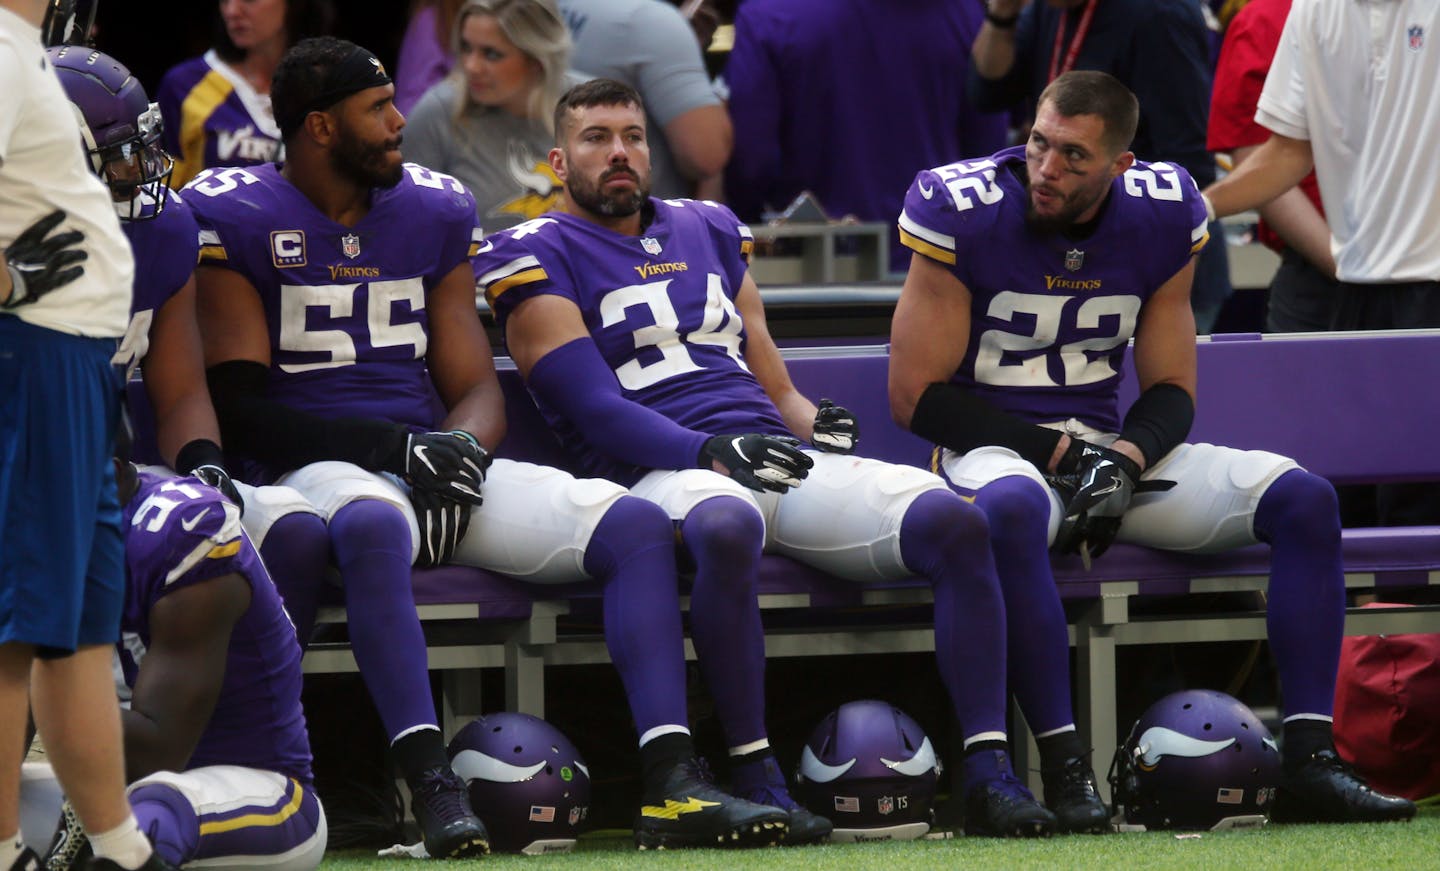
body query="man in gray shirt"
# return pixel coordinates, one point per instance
(648, 45)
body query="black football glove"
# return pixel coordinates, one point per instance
(760, 462)
(38, 265)
(443, 522)
(836, 430)
(450, 464)
(1097, 490)
(217, 477)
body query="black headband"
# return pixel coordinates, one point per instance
(359, 71)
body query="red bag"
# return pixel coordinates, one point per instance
(1387, 711)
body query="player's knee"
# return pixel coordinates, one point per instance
(723, 528)
(630, 526)
(938, 521)
(367, 524)
(1017, 507)
(1299, 504)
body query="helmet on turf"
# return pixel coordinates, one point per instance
(1197, 759)
(869, 768)
(527, 782)
(119, 127)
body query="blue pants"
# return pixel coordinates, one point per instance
(62, 569)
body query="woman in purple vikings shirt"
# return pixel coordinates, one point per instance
(216, 107)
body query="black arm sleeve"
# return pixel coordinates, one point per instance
(1159, 419)
(274, 433)
(950, 415)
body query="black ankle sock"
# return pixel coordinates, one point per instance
(1304, 738)
(1056, 749)
(419, 751)
(661, 754)
(987, 746)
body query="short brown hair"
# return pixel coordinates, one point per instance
(1089, 92)
(596, 92)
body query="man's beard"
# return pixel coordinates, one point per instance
(621, 204)
(365, 163)
(1069, 213)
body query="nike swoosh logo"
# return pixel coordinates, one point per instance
(923, 761)
(812, 769)
(925, 192)
(420, 452)
(489, 244)
(189, 525)
(735, 443)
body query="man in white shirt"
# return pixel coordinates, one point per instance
(1351, 93)
(64, 304)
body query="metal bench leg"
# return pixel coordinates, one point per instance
(524, 679)
(459, 699)
(1095, 645)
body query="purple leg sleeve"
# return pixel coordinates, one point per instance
(168, 820)
(372, 548)
(1299, 516)
(944, 539)
(725, 536)
(297, 555)
(632, 552)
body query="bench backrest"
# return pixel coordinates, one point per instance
(1353, 407)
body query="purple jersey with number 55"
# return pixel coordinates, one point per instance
(660, 307)
(1050, 315)
(345, 306)
(178, 533)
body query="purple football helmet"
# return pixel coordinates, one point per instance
(870, 769)
(1197, 759)
(119, 127)
(527, 782)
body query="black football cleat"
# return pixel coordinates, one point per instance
(1326, 789)
(763, 783)
(154, 863)
(997, 804)
(690, 812)
(441, 805)
(1073, 796)
(69, 849)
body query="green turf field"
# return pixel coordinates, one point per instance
(1413, 845)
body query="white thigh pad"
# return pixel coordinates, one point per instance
(845, 517)
(264, 506)
(536, 522)
(972, 471)
(678, 492)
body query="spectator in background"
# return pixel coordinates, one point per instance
(1304, 290)
(425, 53)
(216, 107)
(1158, 48)
(489, 122)
(648, 45)
(1351, 95)
(849, 100)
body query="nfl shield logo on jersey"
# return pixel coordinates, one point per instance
(1074, 259)
(651, 245)
(1417, 37)
(350, 245)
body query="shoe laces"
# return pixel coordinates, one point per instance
(1074, 779)
(442, 794)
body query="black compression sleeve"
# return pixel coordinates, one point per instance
(272, 432)
(952, 416)
(197, 453)
(1159, 420)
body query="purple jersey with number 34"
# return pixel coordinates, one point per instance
(660, 307)
(1050, 316)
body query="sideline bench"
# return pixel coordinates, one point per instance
(1351, 407)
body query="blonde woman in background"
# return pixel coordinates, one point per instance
(488, 123)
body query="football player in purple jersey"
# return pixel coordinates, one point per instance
(216, 752)
(1032, 270)
(637, 326)
(121, 130)
(337, 307)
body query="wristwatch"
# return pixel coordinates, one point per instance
(1002, 23)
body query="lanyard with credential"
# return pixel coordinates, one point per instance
(1076, 41)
